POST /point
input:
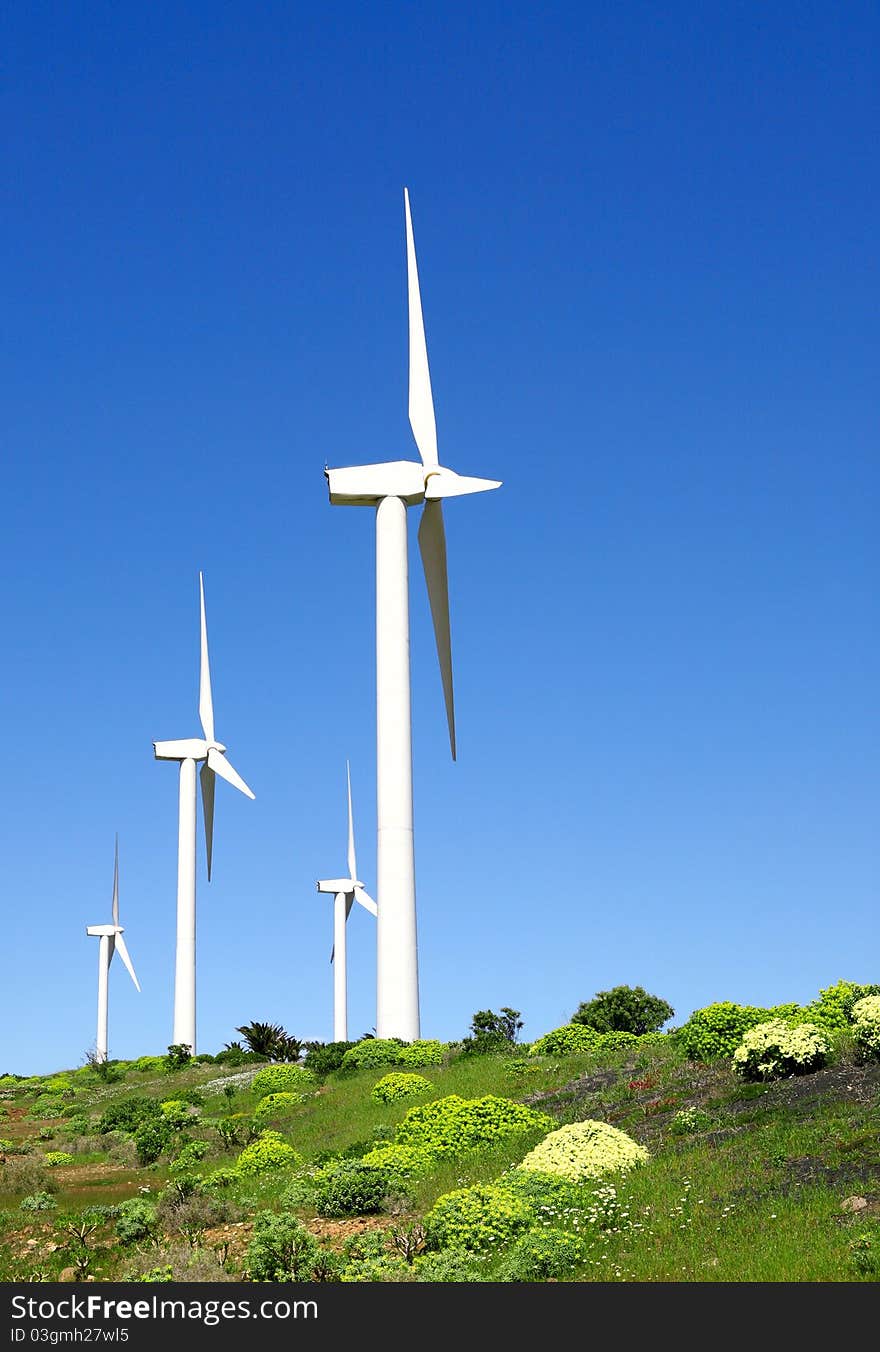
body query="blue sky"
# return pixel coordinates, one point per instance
(648, 257)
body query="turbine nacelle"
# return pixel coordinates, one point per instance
(336, 885)
(366, 485)
(103, 931)
(186, 748)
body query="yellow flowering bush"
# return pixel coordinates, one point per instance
(270, 1105)
(404, 1161)
(585, 1150)
(478, 1219)
(55, 1157)
(268, 1151)
(866, 1025)
(422, 1052)
(566, 1041)
(399, 1085)
(281, 1079)
(452, 1124)
(773, 1049)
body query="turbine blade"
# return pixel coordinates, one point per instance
(220, 765)
(352, 861)
(206, 702)
(432, 546)
(366, 901)
(123, 953)
(116, 883)
(421, 402)
(206, 775)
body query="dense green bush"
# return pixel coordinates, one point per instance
(128, 1114)
(492, 1033)
(135, 1221)
(452, 1124)
(275, 1105)
(237, 1056)
(38, 1201)
(480, 1219)
(281, 1249)
(151, 1138)
(866, 1025)
(834, 1008)
(539, 1255)
(399, 1085)
(149, 1064)
(585, 1150)
(324, 1057)
(371, 1053)
(282, 1079)
(58, 1084)
(46, 1106)
(350, 1188)
(422, 1052)
(450, 1265)
(176, 1113)
(560, 1203)
(716, 1031)
(268, 1151)
(773, 1049)
(400, 1162)
(624, 1009)
(569, 1040)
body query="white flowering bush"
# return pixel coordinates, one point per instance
(774, 1049)
(585, 1150)
(866, 1025)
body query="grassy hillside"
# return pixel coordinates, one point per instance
(774, 1182)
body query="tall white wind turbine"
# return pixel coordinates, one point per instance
(188, 751)
(391, 487)
(346, 891)
(111, 942)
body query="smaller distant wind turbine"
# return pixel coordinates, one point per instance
(111, 941)
(188, 751)
(347, 891)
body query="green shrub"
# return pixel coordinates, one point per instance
(585, 1150)
(128, 1114)
(176, 1113)
(179, 1055)
(716, 1031)
(833, 1009)
(322, 1058)
(268, 1151)
(480, 1218)
(151, 1138)
(38, 1201)
(237, 1056)
(54, 1158)
(46, 1106)
(281, 1249)
(689, 1120)
(422, 1052)
(192, 1152)
(371, 1053)
(399, 1085)
(7, 1146)
(222, 1177)
(452, 1124)
(774, 1049)
(400, 1162)
(149, 1064)
(616, 1040)
(135, 1221)
(349, 1188)
(569, 1040)
(282, 1079)
(450, 1265)
(626, 1009)
(539, 1255)
(273, 1105)
(866, 1025)
(58, 1084)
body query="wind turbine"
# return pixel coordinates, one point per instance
(188, 751)
(347, 891)
(392, 487)
(111, 941)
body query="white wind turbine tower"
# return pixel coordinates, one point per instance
(111, 941)
(188, 751)
(391, 488)
(347, 891)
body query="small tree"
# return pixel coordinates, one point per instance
(493, 1032)
(624, 1009)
